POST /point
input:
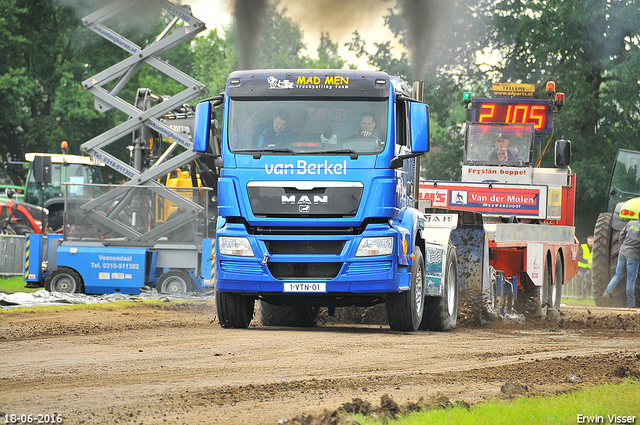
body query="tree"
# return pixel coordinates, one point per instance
(47, 53)
(328, 56)
(214, 58)
(36, 52)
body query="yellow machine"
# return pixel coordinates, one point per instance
(175, 181)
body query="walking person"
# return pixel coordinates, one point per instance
(629, 256)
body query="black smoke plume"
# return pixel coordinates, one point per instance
(248, 14)
(425, 23)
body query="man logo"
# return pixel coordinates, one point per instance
(304, 199)
(304, 208)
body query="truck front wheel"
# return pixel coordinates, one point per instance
(405, 309)
(234, 310)
(441, 313)
(64, 280)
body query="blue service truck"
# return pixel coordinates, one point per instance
(317, 200)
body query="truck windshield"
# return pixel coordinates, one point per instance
(625, 180)
(307, 126)
(75, 174)
(499, 144)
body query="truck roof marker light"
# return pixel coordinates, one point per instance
(466, 99)
(235, 82)
(551, 88)
(380, 82)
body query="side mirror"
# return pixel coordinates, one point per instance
(419, 127)
(563, 153)
(42, 169)
(205, 138)
(202, 127)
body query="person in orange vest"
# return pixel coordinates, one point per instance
(585, 253)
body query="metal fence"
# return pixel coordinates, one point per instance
(572, 290)
(11, 255)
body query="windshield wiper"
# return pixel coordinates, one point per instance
(257, 153)
(353, 154)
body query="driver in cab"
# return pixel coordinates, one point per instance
(503, 153)
(275, 133)
(367, 126)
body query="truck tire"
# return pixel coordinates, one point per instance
(288, 315)
(175, 282)
(555, 291)
(606, 247)
(65, 280)
(234, 310)
(441, 313)
(545, 291)
(55, 220)
(22, 230)
(405, 309)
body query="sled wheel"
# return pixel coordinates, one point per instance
(441, 313)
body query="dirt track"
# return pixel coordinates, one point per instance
(172, 363)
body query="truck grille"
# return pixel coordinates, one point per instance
(304, 270)
(304, 247)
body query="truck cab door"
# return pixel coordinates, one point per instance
(405, 174)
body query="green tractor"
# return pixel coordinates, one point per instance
(624, 185)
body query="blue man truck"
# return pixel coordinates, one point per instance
(317, 201)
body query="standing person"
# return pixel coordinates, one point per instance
(585, 253)
(502, 152)
(628, 258)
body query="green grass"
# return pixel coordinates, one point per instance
(621, 399)
(575, 301)
(121, 304)
(15, 284)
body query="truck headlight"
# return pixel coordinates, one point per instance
(375, 246)
(235, 246)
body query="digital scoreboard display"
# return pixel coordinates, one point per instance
(514, 111)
